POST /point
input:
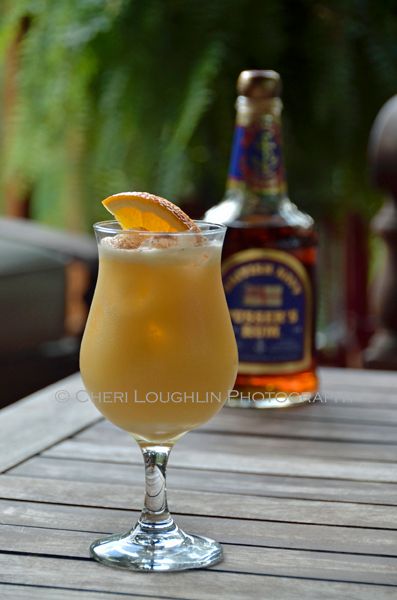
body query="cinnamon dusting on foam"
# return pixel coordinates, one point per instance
(192, 251)
(134, 240)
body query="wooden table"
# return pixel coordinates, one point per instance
(303, 500)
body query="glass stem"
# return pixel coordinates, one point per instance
(155, 515)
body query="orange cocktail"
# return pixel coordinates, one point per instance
(158, 355)
(158, 358)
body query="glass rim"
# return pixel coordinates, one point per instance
(112, 226)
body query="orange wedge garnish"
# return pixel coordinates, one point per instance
(140, 210)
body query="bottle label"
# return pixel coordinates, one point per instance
(256, 160)
(270, 301)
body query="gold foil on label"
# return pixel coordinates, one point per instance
(278, 189)
(275, 368)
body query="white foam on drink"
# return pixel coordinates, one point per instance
(195, 249)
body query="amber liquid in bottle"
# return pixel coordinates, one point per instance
(283, 389)
(269, 258)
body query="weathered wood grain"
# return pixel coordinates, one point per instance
(218, 482)
(29, 592)
(332, 411)
(255, 460)
(354, 398)
(199, 585)
(205, 480)
(358, 378)
(106, 432)
(345, 406)
(248, 422)
(238, 559)
(304, 500)
(44, 419)
(201, 503)
(41, 420)
(274, 534)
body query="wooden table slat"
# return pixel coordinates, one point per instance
(358, 378)
(238, 559)
(242, 422)
(106, 433)
(201, 503)
(199, 585)
(42, 419)
(179, 478)
(30, 592)
(234, 461)
(96, 521)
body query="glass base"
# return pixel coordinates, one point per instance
(165, 550)
(261, 400)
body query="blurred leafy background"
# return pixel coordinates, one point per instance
(125, 94)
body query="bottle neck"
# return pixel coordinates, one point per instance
(256, 166)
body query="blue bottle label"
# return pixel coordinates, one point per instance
(256, 159)
(270, 301)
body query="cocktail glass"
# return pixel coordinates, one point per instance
(158, 359)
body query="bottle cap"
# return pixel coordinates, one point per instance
(259, 84)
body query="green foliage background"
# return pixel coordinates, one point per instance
(133, 94)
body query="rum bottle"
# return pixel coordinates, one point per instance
(269, 257)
